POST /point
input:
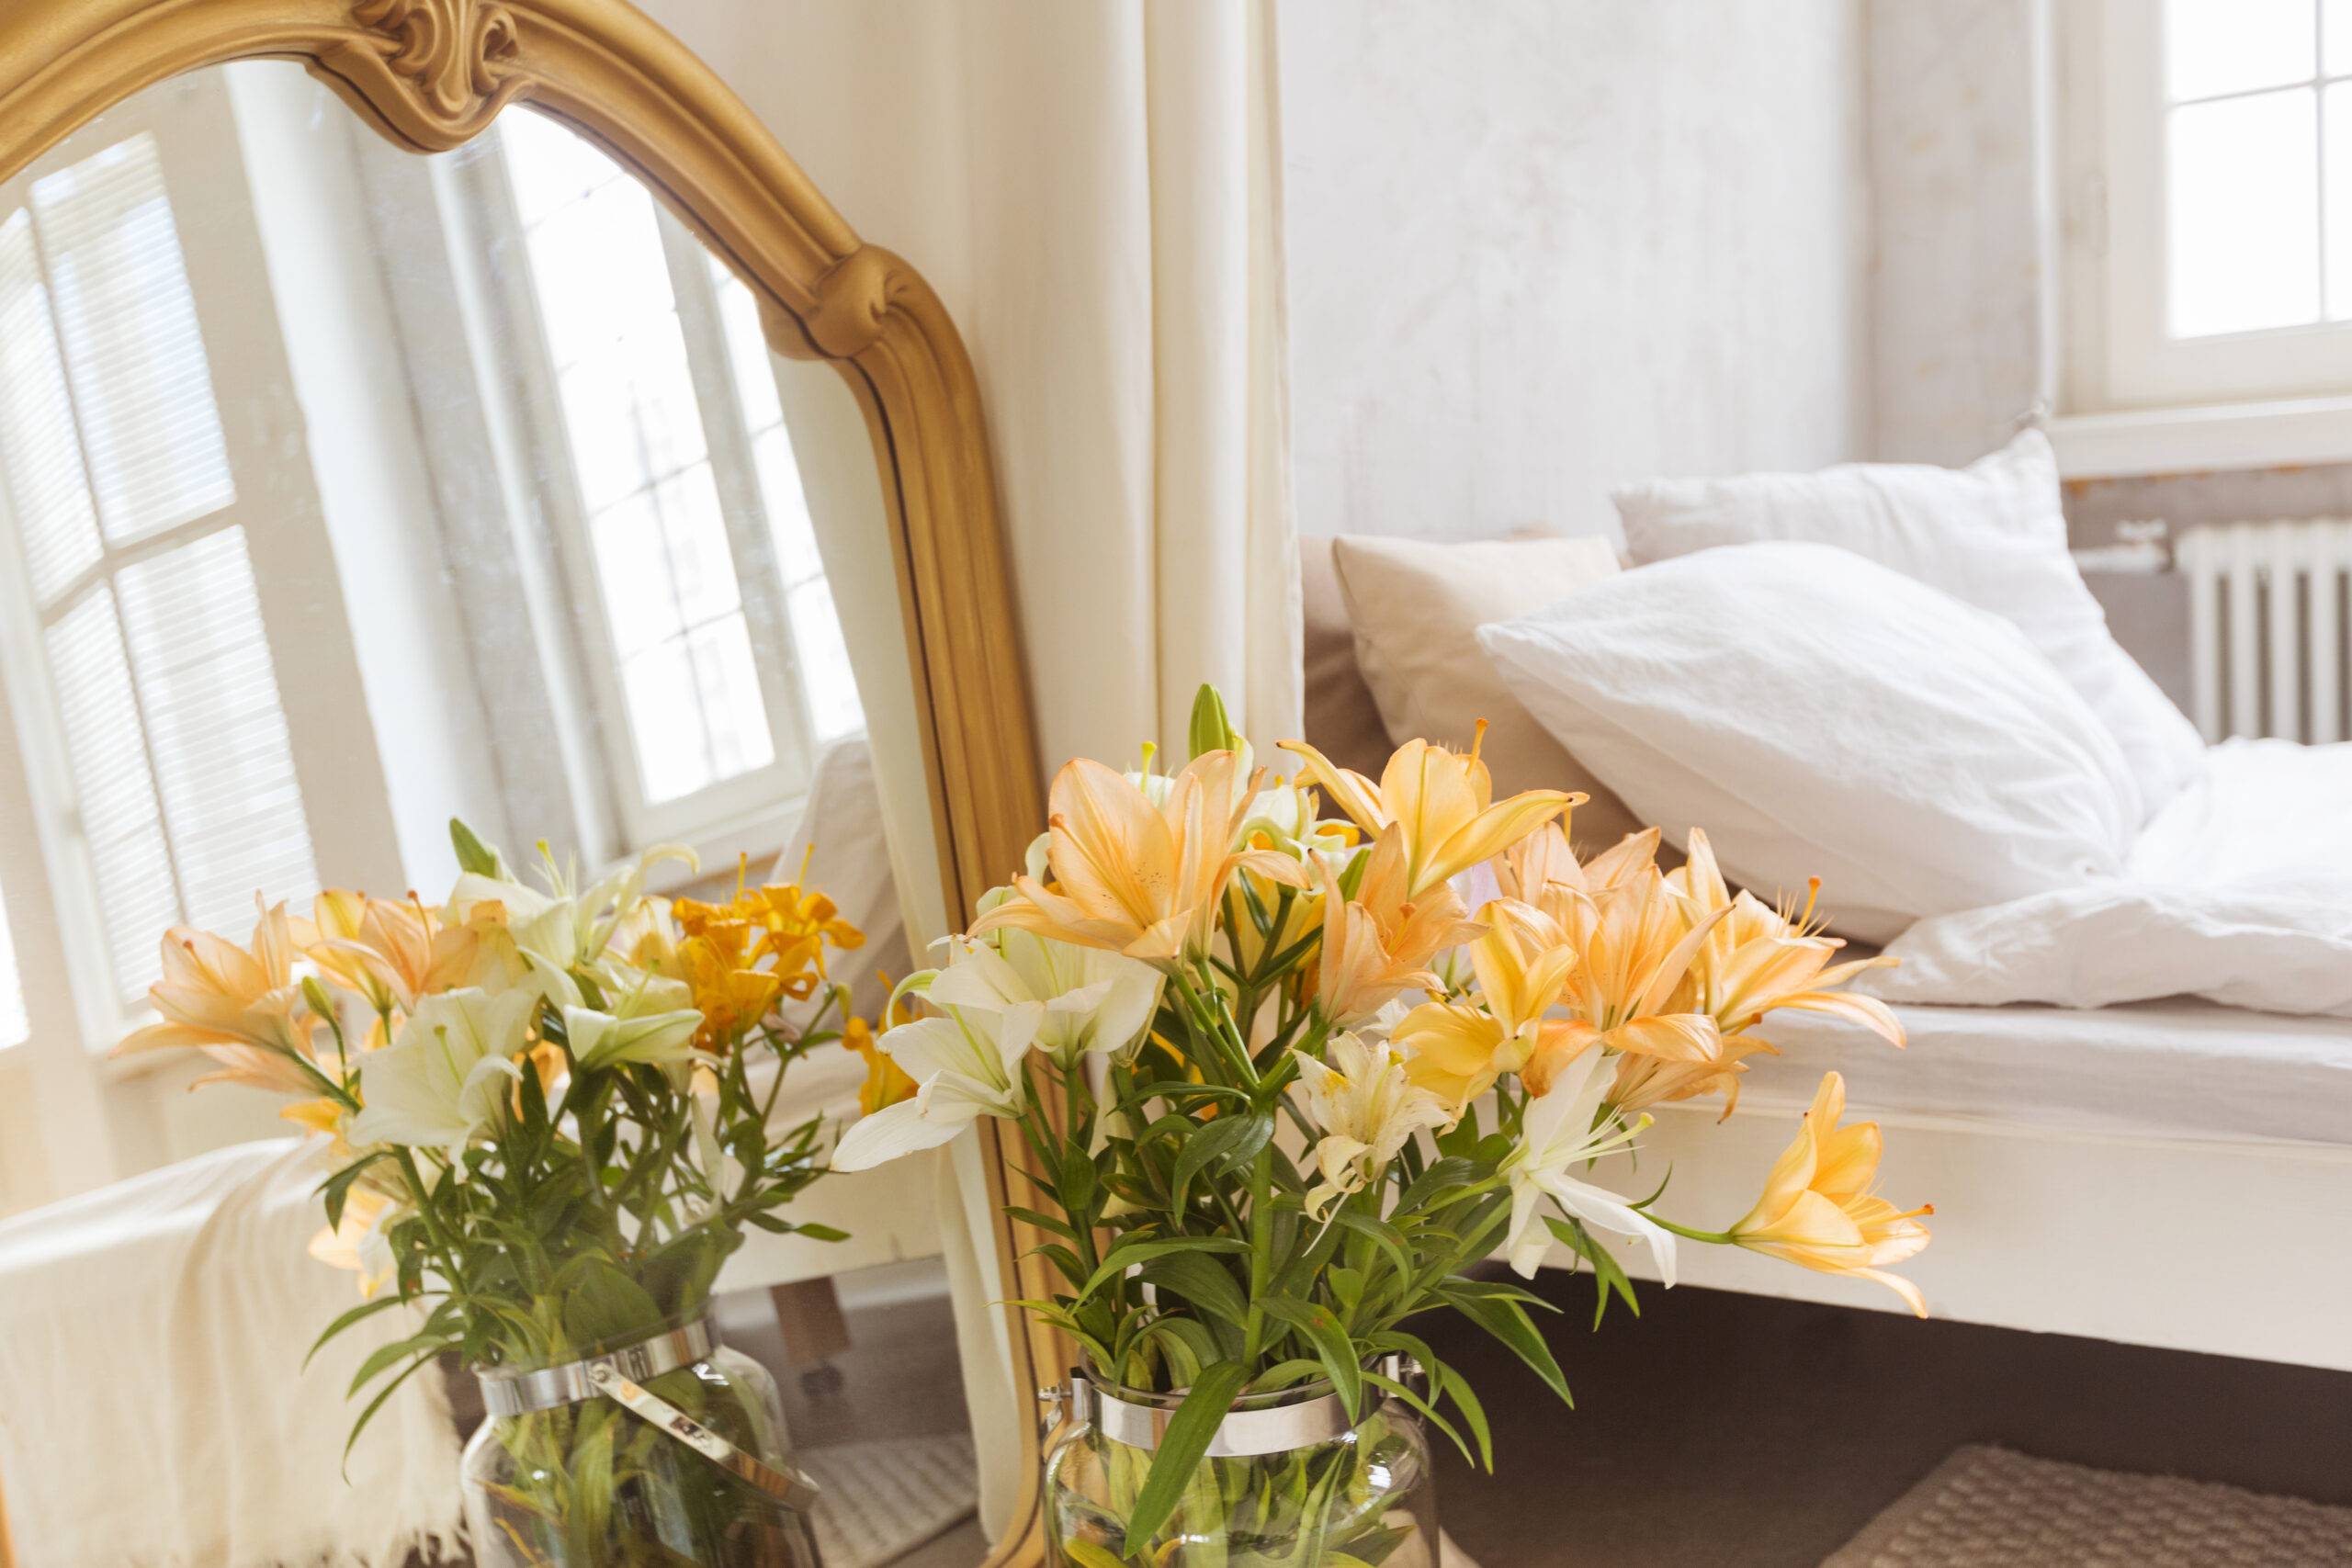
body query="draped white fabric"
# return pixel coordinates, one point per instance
(1093, 187)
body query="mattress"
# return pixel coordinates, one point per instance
(2178, 1068)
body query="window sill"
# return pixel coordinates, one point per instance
(2141, 442)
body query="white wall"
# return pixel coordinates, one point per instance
(1965, 291)
(1537, 247)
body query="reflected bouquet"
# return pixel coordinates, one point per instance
(1288, 1059)
(551, 1124)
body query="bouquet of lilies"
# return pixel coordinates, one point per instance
(550, 1117)
(1289, 1059)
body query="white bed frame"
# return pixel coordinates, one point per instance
(2235, 1249)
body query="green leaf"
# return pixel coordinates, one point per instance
(1181, 1448)
(1441, 1178)
(1508, 1321)
(603, 1306)
(1390, 1241)
(336, 1188)
(377, 1403)
(1331, 1342)
(1457, 1387)
(1228, 1141)
(1606, 1274)
(1127, 1254)
(1042, 1221)
(1086, 1554)
(345, 1320)
(431, 1342)
(1428, 1409)
(1203, 1281)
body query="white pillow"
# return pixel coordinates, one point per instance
(1817, 714)
(1993, 535)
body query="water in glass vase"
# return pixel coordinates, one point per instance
(589, 1484)
(1360, 1496)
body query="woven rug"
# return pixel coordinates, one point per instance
(1989, 1508)
(879, 1500)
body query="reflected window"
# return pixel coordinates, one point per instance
(713, 627)
(162, 693)
(13, 1029)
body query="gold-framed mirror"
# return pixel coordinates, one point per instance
(857, 469)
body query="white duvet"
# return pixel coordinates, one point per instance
(2239, 890)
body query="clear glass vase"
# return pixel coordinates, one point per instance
(588, 1484)
(1346, 1496)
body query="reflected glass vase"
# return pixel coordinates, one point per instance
(1287, 1483)
(586, 1482)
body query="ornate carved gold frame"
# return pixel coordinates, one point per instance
(432, 74)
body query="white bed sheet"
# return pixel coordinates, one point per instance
(2178, 1068)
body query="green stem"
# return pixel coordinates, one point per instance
(1720, 1238)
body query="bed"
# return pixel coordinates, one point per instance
(2170, 1172)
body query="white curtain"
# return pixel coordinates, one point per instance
(1093, 187)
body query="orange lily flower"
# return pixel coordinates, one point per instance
(1756, 958)
(1134, 877)
(1541, 870)
(393, 954)
(1442, 800)
(1457, 1051)
(1637, 941)
(239, 1006)
(1379, 944)
(1817, 1211)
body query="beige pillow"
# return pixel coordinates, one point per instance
(1342, 721)
(1415, 608)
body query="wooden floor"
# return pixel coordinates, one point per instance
(1733, 1430)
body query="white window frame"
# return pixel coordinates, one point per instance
(278, 506)
(2120, 355)
(749, 811)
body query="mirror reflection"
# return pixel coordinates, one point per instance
(344, 494)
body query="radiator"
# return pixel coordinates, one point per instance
(2268, 618)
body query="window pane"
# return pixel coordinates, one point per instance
(665, 722)
(2339, 197)
(2235, 46)
(747, 349)
(116, 793)
(550, 164)
(601, 274)
(834, 707)
(2243, 225)
(633, 572)
(2337, 15)
(729, 689)
(787, 508)
(700, 563)
(142, 385)
(216, 730)
(631, 415)
(13, 1027)
(41, 456)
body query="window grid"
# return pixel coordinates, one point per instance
(656, 532)
(2333, 294)
(118, 478)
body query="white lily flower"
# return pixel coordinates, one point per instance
(966, 1063)
(1366, 1109)
(1095, 1001)
(1557, 1135)
(558, 928)
(447, 1074)
(601, 1039)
